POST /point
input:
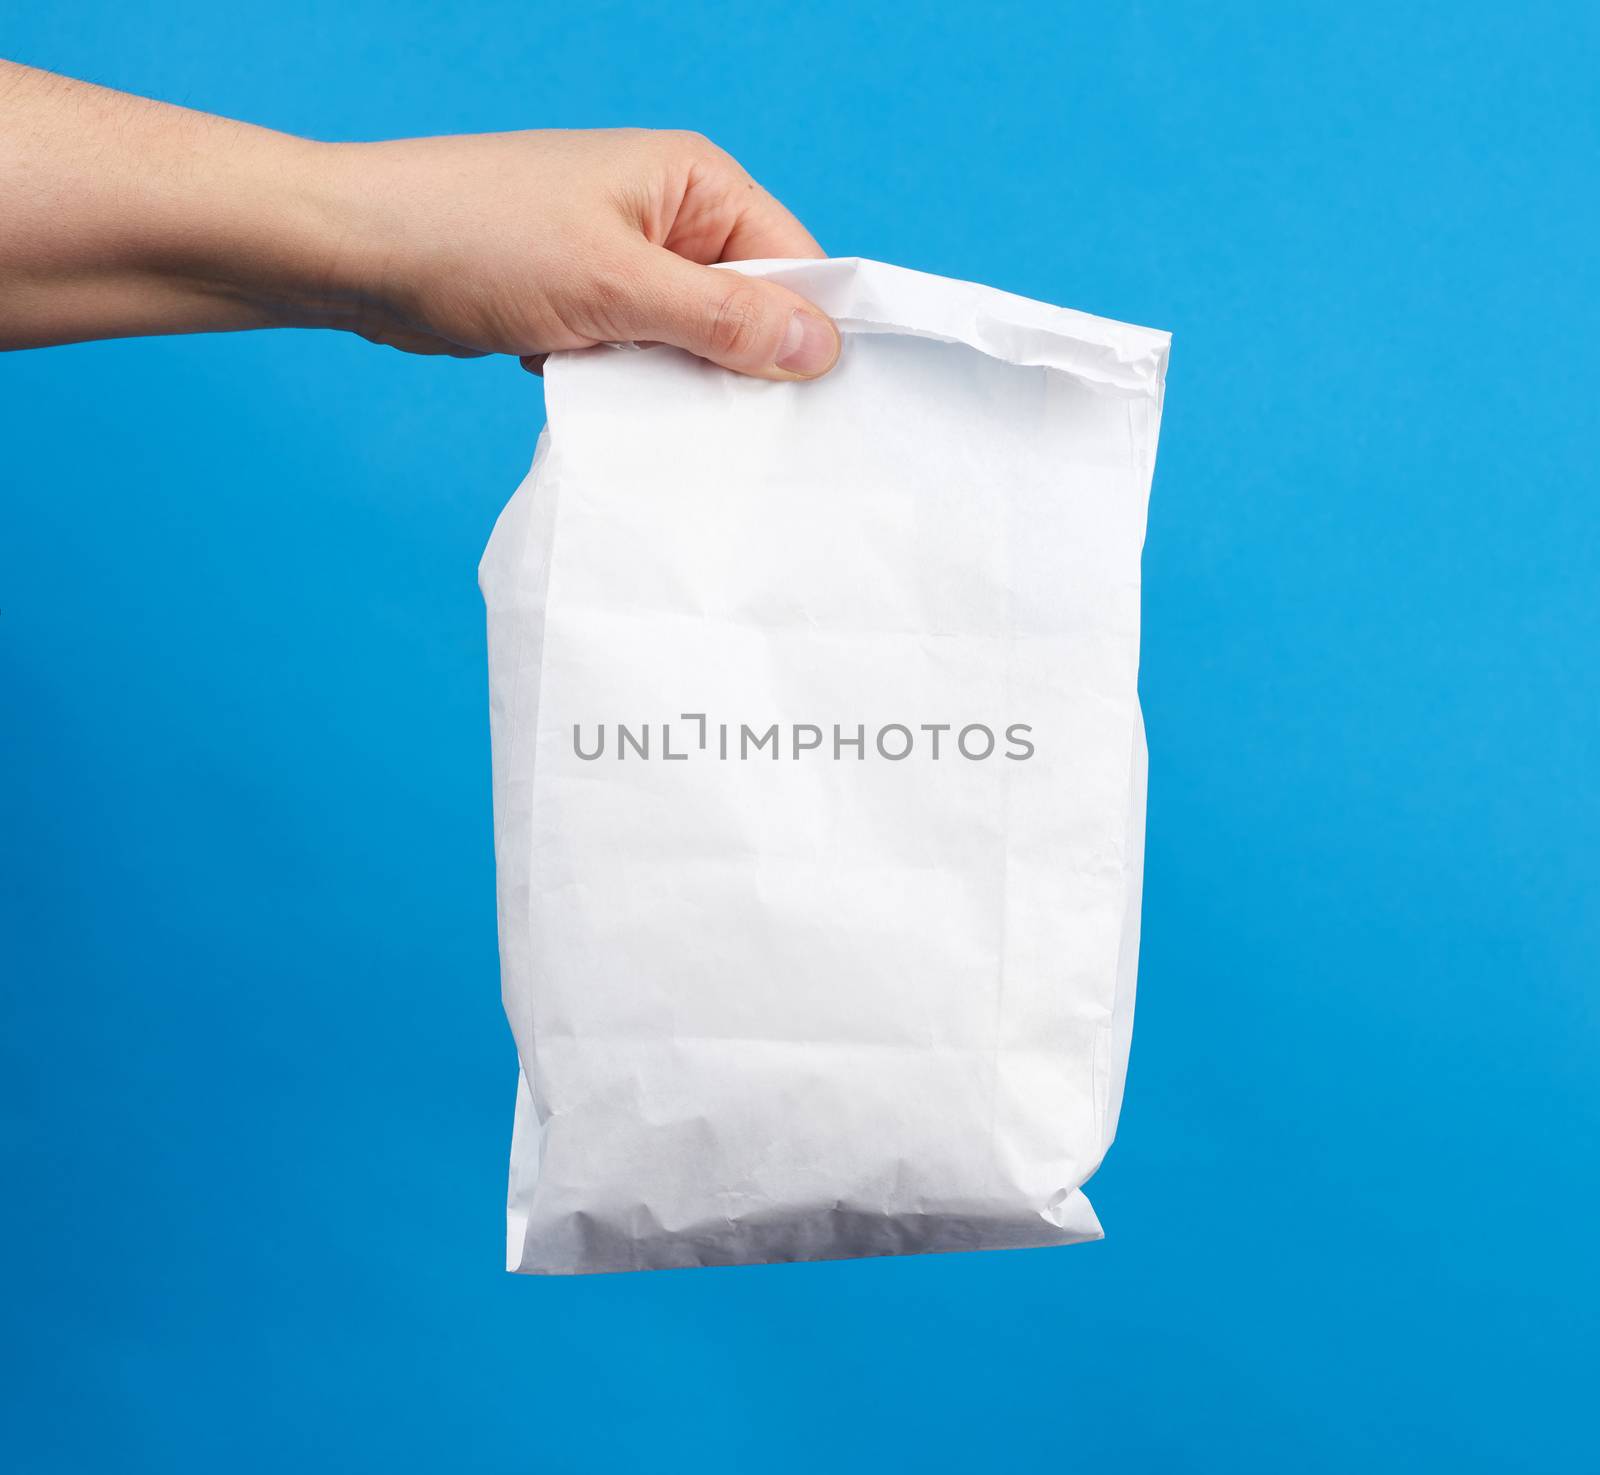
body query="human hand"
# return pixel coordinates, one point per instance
(121, 216)
(526, 243)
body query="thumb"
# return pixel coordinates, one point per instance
(752, 326)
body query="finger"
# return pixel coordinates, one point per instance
(766, 229)
(534, 363)
(745, 324)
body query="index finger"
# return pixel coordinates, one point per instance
(765, 228)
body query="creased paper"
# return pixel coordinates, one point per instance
(819, 783)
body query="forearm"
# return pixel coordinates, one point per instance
(122, 216)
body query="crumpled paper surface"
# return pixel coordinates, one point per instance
(785, 999)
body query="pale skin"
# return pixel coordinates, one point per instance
(120, 217)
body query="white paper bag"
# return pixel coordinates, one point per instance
(819, 784)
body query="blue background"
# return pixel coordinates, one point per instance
(257, 1088)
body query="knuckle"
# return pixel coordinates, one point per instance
(697, 150)
(737, 324)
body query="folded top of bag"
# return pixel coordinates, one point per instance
(873, 297)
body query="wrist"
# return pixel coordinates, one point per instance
(332, 250)
(277, 245)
